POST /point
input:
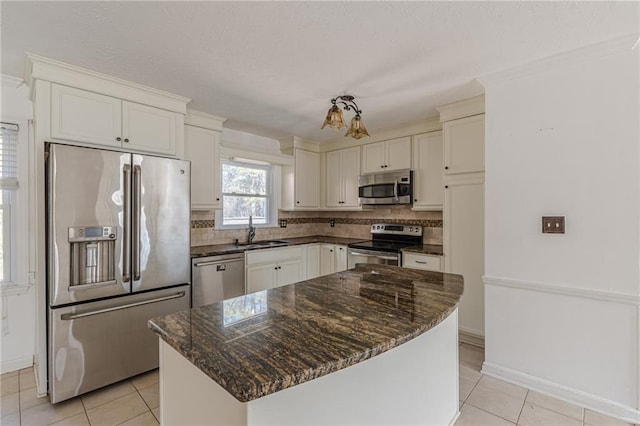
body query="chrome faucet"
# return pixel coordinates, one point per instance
(252, 230)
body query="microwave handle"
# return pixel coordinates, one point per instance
(395, 189)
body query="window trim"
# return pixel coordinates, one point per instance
(271, 195)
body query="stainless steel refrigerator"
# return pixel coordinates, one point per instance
(118, 237)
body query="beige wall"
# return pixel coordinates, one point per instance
(301, 224)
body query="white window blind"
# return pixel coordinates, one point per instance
(8, 206)
(9, 156)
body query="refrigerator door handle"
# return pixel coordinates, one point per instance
(126, 243)
(68, 317)
(137, 204)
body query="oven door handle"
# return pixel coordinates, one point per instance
(372, 254)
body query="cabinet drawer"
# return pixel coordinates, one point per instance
(273, 255)
(422, 261)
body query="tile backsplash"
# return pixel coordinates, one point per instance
(302, 224)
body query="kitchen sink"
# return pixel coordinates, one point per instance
(263, 244)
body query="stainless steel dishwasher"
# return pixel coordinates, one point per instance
(217, 278)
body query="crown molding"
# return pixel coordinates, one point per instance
(617, 45)
(288, 144)
(460, 109)
(41, 68)
(204, 120)
(10, 81)
(430, 124)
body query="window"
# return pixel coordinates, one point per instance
(8, 207)
(246, 191)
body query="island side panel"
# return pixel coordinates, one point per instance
(414, 383)
(190, 397)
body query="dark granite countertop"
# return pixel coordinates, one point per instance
(220, 249)
(432, 249)
(261, 343)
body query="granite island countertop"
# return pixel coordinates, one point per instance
(230, 248)
(264, 342)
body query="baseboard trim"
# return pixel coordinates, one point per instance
(455, 418)
(471, 337)
(609, 296)
(16, 364)
(564, 393)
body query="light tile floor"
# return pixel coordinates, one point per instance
(130, 402)
(483, 401)
(488, 401)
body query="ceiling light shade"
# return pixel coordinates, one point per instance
(357, 129)
(335, 119)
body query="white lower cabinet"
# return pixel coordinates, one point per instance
(270, 268)
(422, 261)
(313, 261)
(333, 258)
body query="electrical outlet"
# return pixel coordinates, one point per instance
(553, 224)
(283, 223)
(332, 223)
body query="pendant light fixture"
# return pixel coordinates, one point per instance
(335, 120)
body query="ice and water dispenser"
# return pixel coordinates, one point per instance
(93, 255)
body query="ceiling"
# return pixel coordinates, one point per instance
(271, 68)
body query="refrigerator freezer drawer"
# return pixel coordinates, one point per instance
(99, 343)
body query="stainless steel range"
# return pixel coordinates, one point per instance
(386, 244)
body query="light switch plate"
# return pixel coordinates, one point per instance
(553, 224)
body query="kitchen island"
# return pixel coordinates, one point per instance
(371, 345)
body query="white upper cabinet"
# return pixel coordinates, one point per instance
(78, 115)
(87, 117)
(149, 129)
(342, 177)
(428, 193)
(464, 145)
(202, 148)
(307, 179)
(394, 154)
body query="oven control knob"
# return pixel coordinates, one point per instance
(411, 229)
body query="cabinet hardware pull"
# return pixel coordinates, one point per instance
(217, 199)
(118, 138)
(446, 186)
(415, 200)
(421, 261)
(126, 139)
(297, 202)
(446, 167)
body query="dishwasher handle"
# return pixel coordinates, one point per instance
(217, 262)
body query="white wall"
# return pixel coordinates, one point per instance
(562, 138)
(17, 311)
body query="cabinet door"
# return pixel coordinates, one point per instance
(463, 233)
(289, 272)
(149, 129)
(334, 179)
(350, 174)
(202, 148)
(78, 115)
(464, 145)
(340, 258)
(373, 157)
(398, 154)
(307, 173)
(313, 261)
(427, 171)
(327, 259)
(261, 277)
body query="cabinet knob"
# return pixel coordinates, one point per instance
(446, 167)
(446, 186)
(331, 251)
(217, 199)
(126, 140)
(415, 200)
(118, 138)
(382, 167)
(297, 202)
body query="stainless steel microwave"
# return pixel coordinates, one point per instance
(386, 188)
